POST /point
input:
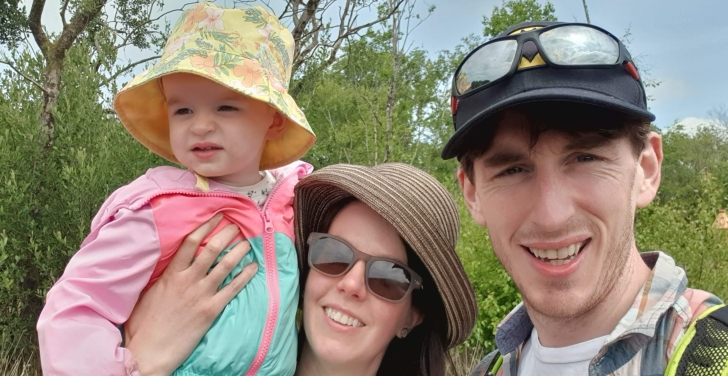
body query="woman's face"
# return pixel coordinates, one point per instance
(371, 322)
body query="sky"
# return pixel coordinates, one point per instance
(682, 44)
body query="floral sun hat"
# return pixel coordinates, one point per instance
(246, 50)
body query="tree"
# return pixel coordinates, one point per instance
(318, 40)
(131, 25)
(375, 103)
(12, 22)
(512, 12)
(688, 157)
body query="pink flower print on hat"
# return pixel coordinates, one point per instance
(213, 21)
(251, 72)
(197, 15)
(206, 63)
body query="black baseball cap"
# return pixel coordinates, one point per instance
(613, 87)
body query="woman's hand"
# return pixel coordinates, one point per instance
(171, 318)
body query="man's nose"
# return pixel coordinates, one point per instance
(353, 283)
(553, 204)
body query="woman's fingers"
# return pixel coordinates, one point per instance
(226, 265)
(186, 252)
(215, 245)
(229, 291)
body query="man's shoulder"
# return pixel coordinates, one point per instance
(691, 304)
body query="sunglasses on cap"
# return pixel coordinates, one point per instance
(568, 45)
(386, 278)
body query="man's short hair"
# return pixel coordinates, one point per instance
(570, 118)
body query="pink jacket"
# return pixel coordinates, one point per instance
(134, 236)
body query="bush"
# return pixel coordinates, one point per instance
(48, 197)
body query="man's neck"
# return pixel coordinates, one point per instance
(603, 317)
(310, 365)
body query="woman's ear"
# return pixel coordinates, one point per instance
(414, 318)
(276, 127)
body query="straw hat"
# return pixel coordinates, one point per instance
(246, 50)
(417, 205)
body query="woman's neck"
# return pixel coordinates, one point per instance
(311, 365)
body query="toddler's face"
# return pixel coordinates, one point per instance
(215, 131)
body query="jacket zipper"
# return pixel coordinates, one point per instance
(270, 260)
(272, 282)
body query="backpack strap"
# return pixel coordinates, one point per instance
(489, 365)
(703, 349)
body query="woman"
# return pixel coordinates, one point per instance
(384, 292)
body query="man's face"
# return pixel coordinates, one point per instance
(560, 214)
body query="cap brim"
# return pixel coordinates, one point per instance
(458, 142)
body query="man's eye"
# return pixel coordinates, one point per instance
(586, 158)
(227, 108)
(183, 111)
(511, 171)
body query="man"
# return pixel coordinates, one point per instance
(556, 154)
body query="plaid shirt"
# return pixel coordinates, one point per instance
(643, 341)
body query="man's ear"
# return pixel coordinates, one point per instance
(471, 198)
(276, 127)
(650, 164)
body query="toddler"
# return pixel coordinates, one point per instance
(216, 103)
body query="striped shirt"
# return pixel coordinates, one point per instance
(643, 341)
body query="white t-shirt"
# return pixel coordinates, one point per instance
(571, 360)
(259, 191)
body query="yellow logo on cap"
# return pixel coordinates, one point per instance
(525, 29)
(537, 60)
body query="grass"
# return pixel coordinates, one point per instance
(16, 360)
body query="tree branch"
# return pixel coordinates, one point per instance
(36, 28)
(79, 21)
(126, 68)
(32, 81)
(63, 13)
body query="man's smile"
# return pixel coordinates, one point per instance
(561, 256)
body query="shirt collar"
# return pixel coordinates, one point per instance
(659, 293)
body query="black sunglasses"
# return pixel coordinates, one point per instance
(568, 45)
(386, 278)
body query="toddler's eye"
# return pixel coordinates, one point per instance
(227, 108)
(183, 111)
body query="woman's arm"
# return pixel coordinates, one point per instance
(171, 318)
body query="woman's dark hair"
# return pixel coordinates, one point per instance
(422, 352)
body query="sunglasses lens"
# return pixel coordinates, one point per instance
(330, 256)
(579, 45)
(485, 65)
(388, 280)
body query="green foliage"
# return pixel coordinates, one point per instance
(13, 24)
(512, 12)
(47, 200)
(684, 230)
(495, 291)
(688, 158)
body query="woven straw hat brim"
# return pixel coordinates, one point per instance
(142, 109)
(417, 205)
